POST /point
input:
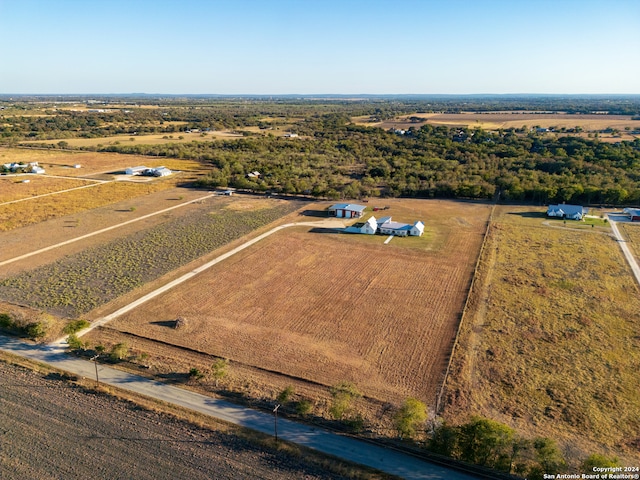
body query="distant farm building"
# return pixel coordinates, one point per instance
(135, 170)
(148, 172)
(158, 172)
(572, 212)
(634, 214)
(346, 210)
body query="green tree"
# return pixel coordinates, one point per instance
(219, 369)
(343, 395)
(598, 460)
(410, 417)
(119, 351)
(486, 442)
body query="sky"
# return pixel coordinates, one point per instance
(272, 47)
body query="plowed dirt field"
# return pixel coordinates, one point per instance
(331, 307)
(53, 429)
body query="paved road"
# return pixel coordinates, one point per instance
(324, 441)
(625, 249)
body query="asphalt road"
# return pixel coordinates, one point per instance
(347, 448)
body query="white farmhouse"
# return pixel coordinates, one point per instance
(573, 212)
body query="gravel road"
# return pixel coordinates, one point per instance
(51, 429)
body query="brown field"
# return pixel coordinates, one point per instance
(40, 235)
(54, 427)
(57, 162)
(631, 232)
(15, 215)
(502, 120)
(329, 307)
(12, 188)
(550, 343)
(152, 139)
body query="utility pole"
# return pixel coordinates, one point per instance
(275, 421)
(95, 362)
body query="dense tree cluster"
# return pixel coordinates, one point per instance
(343, 160)
(335, 158)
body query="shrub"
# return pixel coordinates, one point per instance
(37, 330)
(597, 460)
(195, 374)
(343, 395)
(219, 369)
(6, 321)
(75, 326)
(410, 417)
(285, 395)
(75, 343)
(304, 407)
(119, 351)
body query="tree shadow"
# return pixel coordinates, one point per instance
(174, 377)
(165, 323)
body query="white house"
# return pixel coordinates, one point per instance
(37, 169)
(417, 229)
(135, 170)
(387, 226)
(370, 227)
(346, 210)
(573, 212)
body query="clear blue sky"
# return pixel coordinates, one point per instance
(320, 46)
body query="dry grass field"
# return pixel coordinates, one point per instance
(331, 307)
(503, 120)
(550, 344)
(13, 188)
(38, 210)
(153, 139)
(57, 162)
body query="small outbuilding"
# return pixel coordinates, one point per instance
(346, 210)
(563, 210)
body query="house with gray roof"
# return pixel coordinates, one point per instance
(563, 210)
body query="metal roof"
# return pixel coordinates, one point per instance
(348, 206)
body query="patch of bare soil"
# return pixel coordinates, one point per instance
(51, 428)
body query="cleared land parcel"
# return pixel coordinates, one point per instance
(329, 307)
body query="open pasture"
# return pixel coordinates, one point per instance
(57, 162)
(327, 307)
(13, 187)
(15, 215)
(73, 285)
(550, 344)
